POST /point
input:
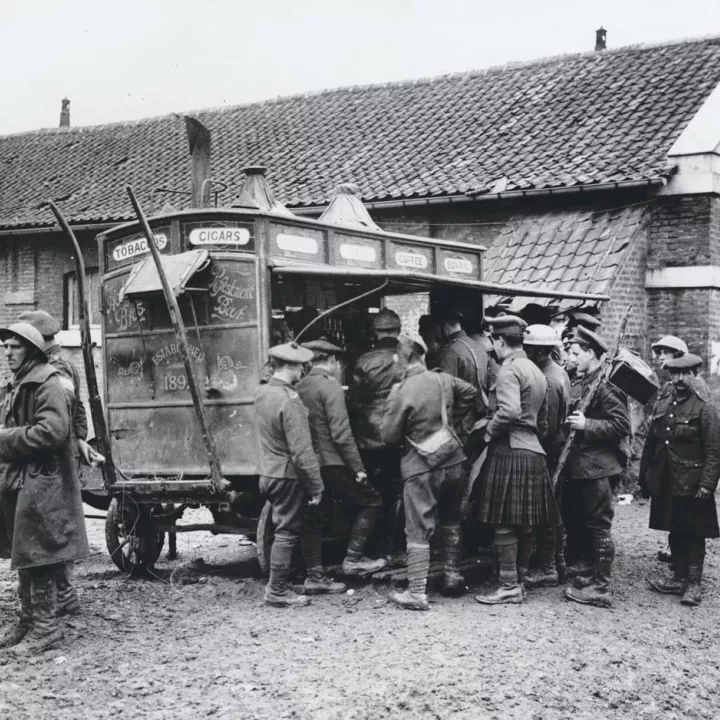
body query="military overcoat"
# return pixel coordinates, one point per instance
(42, 508)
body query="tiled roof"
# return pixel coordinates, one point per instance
(566, 251)
(572, 120)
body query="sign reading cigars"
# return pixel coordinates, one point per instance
(220, 236)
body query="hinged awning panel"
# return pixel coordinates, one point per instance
(408, 282)
(144, 279)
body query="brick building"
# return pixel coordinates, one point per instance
(596, 172)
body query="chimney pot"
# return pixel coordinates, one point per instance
(65, 113)
(600, 37)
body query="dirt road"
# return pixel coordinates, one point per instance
(158, 649)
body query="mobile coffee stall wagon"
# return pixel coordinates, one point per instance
(244, 278)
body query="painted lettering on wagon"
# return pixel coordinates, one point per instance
(230, 299)
(171, 349)
(124, 314)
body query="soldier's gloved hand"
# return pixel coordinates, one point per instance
(703, 493)
(361, 477)
(315, 499)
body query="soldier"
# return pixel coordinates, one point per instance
(429, 331)
(374, 374)
(67, 598)
(539, 342)
(466, 359)
(289, 472)
(514, 488)
(670, 347)
(593, 459)
(679, 471)
(341, 467)
(432, 492)
(41, 508)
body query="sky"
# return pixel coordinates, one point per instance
(126, 60)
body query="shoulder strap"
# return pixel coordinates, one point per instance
(443, 409)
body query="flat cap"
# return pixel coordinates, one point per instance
(386, 320)
(415, 342)
(323, 346)
(541, 336)
(684, 362)
(584, 319)
(42, 321)
(507, 325)
(588, 337)
(25, 331)
(291, 352)
(670, 342)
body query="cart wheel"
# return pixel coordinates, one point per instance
(264, 539)
(133, 541)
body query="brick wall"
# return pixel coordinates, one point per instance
(628, 289)
(679, 232)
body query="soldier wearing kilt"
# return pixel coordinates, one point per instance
(679, 470)
(515, 494)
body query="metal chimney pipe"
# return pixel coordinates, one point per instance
(199, 141)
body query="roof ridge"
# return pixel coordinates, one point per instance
(509, 66)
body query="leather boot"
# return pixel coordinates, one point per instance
(453, 581)
(318, 582)
(46, 632)
(16, 632)
(599, 593)
(67, 598)
(696, 560)
(510, 590)
(678, 583)
(545, 575)
(278, 592)
(355, 563)
(418, 566)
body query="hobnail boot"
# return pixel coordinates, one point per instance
(503, 595)
(45, 633)
(599, 593)
(284, 599)
(15, 633)
(362, 566)
(409, 600)
(322, 584)
(542, 577)
(696, 560)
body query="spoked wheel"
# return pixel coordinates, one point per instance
(133, 540)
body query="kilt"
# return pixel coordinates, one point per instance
(683, 513)
(514, 488)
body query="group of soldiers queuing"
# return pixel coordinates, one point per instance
(484, 427)
(405, 451)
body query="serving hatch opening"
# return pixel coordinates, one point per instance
(179, 269)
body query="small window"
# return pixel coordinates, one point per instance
(92, 285)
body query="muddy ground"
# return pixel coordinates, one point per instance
(161, 649)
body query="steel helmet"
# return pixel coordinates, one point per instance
(541, 336)
(386, 320)
(25, 331)
(670, 342)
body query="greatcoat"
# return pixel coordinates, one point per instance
(42, 515)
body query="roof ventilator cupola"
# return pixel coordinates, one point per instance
(346, 208)
(255, 192)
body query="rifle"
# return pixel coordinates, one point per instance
(585, 401)
(96, 409)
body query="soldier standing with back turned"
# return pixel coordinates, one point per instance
(288, 468)
(374, 374)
